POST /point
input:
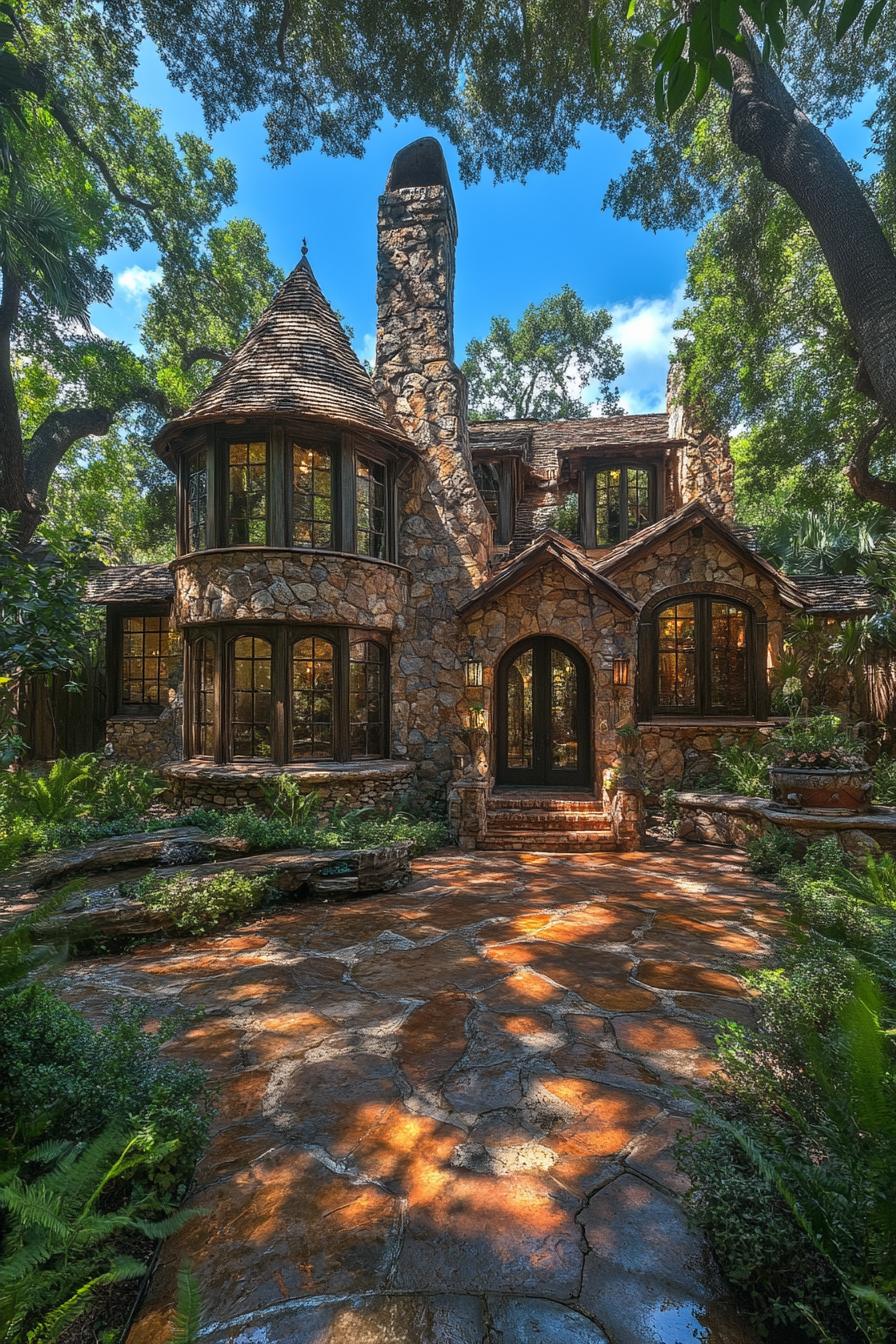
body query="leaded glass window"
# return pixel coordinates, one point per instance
(367, 698)
(146, 648)
(203, 653)
(370, 508)
(251, 700)
(486, 479)
(313, 690)
(622, 503)
(247, 466)
(703, 651)
(197, 501)
(312, 496)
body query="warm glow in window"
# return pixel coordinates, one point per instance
(370, 504)
(677, 657)
(251, 700)
(702, 655)
(313, 686)
(145, 661)
(312, 496)
(621, 503)
(247, 465)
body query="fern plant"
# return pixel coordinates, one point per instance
(19, 955)
(64, 1227)
(55, 796)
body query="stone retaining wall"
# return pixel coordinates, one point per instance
(733, 821)
(676, 754)
(388, 784)
(261, 584)
(147, 741)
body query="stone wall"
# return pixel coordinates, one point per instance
(144, 740)
(677, 754)
(246, 584)
(383, 785)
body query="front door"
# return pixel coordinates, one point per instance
(543, 715)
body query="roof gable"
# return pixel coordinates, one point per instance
(296, 362)
(550, 548)
(682, 521)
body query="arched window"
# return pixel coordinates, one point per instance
(703, 652)
(367, 698)
(313, 687)
(203, 659)
(251, 702)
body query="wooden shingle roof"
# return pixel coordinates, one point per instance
(838, 594)
(296, 362)
(130, 583)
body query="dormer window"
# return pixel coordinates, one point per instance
(616, 502)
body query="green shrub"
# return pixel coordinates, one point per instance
(816, 740)
(356, 829)
(79, 1079)
(769, 852)
(885, 781)
(744, 769)
(198, 906)
(287, 799)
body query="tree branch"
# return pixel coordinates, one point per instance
(202, 352)
(122, 197)
(859, 474)
(62, 429)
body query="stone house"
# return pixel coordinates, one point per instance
(370, 592)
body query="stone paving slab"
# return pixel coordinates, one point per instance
(446, 1115)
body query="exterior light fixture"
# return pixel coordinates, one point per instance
(621, 671)
(473, 672)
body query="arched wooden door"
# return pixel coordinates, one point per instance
(544, 715)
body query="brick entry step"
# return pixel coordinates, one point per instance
(558, 823)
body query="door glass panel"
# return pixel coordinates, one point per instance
(564, 712)
(520, 744)
(677, 658)
(728, 665)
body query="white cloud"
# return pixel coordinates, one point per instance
(136, 282)
(644, 330)
(367, 348)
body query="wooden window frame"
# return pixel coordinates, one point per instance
(755, 633)
(505, 521)
(281, 638)
(115, 618)
(345, 450)
(588, 508)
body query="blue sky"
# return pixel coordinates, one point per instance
(519, 242)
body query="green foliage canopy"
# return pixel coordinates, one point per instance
(540, 368)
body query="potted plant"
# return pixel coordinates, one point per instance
(819, 766)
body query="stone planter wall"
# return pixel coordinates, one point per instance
(676, 754)
(733, 821)
(249, 583)
(376, 784)
(143, 740)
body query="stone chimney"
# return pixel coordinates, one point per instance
(418, 384)
(704, 468)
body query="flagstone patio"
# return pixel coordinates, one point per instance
(445, 1115)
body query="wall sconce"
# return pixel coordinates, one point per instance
(621, 671)
(473, 672)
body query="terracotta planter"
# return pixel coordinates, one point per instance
(844, 792)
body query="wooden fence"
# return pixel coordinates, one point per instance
(61, 722)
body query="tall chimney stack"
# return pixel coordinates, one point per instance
(420, 387)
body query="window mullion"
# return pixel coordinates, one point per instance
(623, 503)
(704, 635)
(341, 735)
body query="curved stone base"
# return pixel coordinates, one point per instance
(339, 783)
(732, 820)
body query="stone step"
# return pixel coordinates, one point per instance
(554, 842)
(542, 803)
(548, 821)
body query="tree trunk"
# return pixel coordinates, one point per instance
(13, 494)
(766, 124)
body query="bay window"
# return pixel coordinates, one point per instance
(287, 693)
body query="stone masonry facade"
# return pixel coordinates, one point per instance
(448, 605)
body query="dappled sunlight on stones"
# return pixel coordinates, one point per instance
(429, 1099)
